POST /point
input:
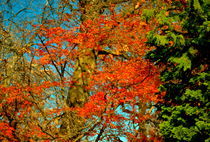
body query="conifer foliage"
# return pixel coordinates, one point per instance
(181, 40)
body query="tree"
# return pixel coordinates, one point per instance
(181, 41)
(23, 85)
(85, 78)
(99, 49)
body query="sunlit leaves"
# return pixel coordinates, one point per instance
(100, 60)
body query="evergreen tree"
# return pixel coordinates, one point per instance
(181, 42)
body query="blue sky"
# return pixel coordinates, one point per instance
(18, 10)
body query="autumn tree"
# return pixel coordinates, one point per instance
(104, 100)
(23, 98)
(181, 40)
(85, 75)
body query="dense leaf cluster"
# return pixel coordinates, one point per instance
(181, 42)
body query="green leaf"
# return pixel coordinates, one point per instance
(161, 40)
(197, 5)
(182, 133)
(183, 61)
(203, 125)
(193, 95)
(147, 14)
